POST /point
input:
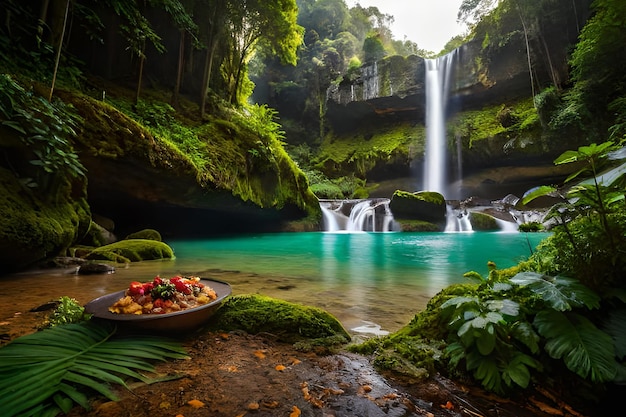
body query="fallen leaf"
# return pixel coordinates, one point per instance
(270, 404)
(179, 415)
(367, 388)
(448, 406)
(229, 368)
(253, 406)
(295, 361)
(195, 403)
(280, 367)
(295, 412)
(224, 336)
(259, 354)
(164, 405)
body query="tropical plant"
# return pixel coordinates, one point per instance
(46, 129)
(67, 311)
(569, 335)
(502, 330)
(589, 234)
(48, 372)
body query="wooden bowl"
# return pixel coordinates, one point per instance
(176, 322)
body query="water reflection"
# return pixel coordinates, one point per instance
(383, 278)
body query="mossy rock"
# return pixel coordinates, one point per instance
(149, 234)
(426, 206)
(133, 250)
(417, 226)
(482, 221)
(288, 321)
(35, 227)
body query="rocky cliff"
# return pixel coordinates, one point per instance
(492, 120)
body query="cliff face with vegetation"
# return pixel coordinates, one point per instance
(499, 107)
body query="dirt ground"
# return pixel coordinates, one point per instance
(237, 374)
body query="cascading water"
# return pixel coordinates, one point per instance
(371, 215)
(439, 74)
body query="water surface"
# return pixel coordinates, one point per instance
(381, 278)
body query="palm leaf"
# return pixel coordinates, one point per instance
(43, 372)
(586, 350)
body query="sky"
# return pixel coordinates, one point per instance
(429, 23)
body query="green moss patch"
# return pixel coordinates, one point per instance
(425, 206)
(502, 119)
(149, 234)
(133, 250)
(362, 151)
(482, 221)
(288, 321)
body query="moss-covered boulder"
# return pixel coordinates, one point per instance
(425, 206)
(482, 221)
(288, 321)
(132, 250)
(149, 234)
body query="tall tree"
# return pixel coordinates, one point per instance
(269, 24)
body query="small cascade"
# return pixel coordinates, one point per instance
(507, 227)
(370, 215)
(457, 220)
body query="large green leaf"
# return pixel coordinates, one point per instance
(524, 332)
(537, 192)
(584, 348)
(560, 293)
(616, 327)
(43, 372)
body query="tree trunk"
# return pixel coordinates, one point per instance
(60, 46)
(43, 14)
(530, 66)
(179, 74)
(142, 59)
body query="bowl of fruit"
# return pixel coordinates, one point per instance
(174, 305)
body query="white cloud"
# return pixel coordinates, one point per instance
(429, 23)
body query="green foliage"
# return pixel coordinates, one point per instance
(585, 349)
(45, 129)
(373, 49)
(499, 331)
(531, 227)
(513, 120)
(589, 236)
(361, 151)
(48, 372)
(68, 311)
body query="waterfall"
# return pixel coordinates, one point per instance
(457, 220)
(438, 76)
(370, 215)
